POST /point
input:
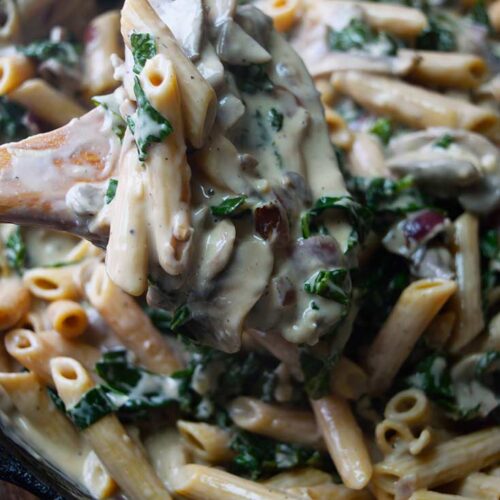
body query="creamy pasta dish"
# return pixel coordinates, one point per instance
(251, 249)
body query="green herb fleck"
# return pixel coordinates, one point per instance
(12, 121)
(111, 191)
(445, 141)
(181, 316)
(382, 128)
(147, 124)
(229, 207)
(437, 36)
(479, 14)
(92, 406)
(66, 53)
(276, 119)
(143, 48)
(329, 284)
(253, 78)
(359, 36)
(16, 251)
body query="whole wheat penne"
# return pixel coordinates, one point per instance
(52, 283)
(413, 312)
(46, 102)
(480, 485)
(102, 40)
(14, 301)
(68, 318)
(282, 424)
(413, 105)
(344, 440)
(14, 70)
(208, 443)
(470, 320)
(306, 476)
(410, 406)
(31, 399)
(97, 479)
(131, 324)
(197, 97)
(284, 13)
(348, 379)
(116, 450)
(366, 157)
(434, 495)
(447, 69)
(494, 15)
(198, 482)
(127, 250)
(446, 462)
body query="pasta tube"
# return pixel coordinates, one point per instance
(31, 399)
(52, 283)
(445, 463)
(168, 174)
(207, 442)
(131, 324)
(470, 320)
(282, 424)
(344, 440)
(14, 70)
(116, 450)
(97, 479)
(366, 157)
(411, 105)
(447, 69)
(14, 301)
(479, 485)
(68, 318)
(197, 96)
(415, 309)
(102, 39)
(46, 102)
(198, 482)
(284, 13)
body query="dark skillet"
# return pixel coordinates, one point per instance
(22, 466)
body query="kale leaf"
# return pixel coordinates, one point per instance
(143, 48)
(276, 119)
(317, 372)
(359, 36)
(16, 251)
(66, 53)
(330, 285)
(12, 121)
(479, 14)
(382, 128)
(438, 35)
(253, 78)
(258, 456)
(111, 191)
(91, 407)
(229, 207)
(147, 124)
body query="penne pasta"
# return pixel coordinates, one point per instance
(469, 311)
(198, 482)
(107, 437)
(46, 103)
(68, 318)
(197, 97)
(97, 479)
(296, 426)
(366, 157)
(480, 485)
(344, 441)
(411, 105)
(131, 324)
(15, 302)
(208, 443)
(52, 283)
(446, 462)
(284, 13)
(416, 307)
(14, 70)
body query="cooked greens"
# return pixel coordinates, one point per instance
(16, 251)
(66, 53)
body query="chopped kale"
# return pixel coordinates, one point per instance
(147, 124)
(382, 128)
(58, 402)
(181, 316)
(93, 406)
(445, 141)
(382, 195)
(12, 121)
(160, 318)
(16, 251)
(111, 105)
(229, 207)
(276, 119)
(490, 244)
(330, 285)
(143, 48)
(258, 456)
(66, 53)
(479, 14)
(359, 36)
(437, 36)
(111, 191)
(253, 78)
(359, 216)
(317, 372)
